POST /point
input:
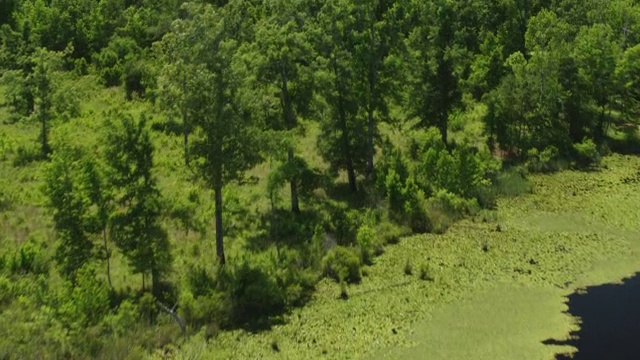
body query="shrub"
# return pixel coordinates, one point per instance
(316, 249)
(586, 154)
(344, 290)
(110, 67)
(26, 155)
(444, 208)
(408, 268)
(124, 319)
(202, 310)
(425, 272)
(294, 281)
(342, 264)
(200, 281)
(133, 75)
(343, 224)
(80, 67)
(453, 205)
(111, 60)
(543, 162)
(512, 183)
(368, 241)
(86, 302)
(416, 212)
(28, 260)
(391, 233)
(6, 292)
(253, 291)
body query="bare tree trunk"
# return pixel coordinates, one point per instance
(290, 123)
(443, 130)
(186, 129)
(174, 315)
(155, 282)
(45, 137)
(346, 147)
(371, 151)
(219, 229)
(107, 256)
(295, 203)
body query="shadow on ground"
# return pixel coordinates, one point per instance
(610, 322)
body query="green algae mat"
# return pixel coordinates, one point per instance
(498, 289)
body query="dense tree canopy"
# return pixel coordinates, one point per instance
(146, 120)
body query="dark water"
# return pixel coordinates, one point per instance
(610, 322)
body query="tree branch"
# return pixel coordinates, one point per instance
(174, 315)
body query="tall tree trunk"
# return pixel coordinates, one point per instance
(371, 151)
(155, 282)
(44, 136)
(290, 123)
(600, 131)
(295, 204)
(444, 132)
(186, 129)
(351, 174)
(346, 147)
(219, 229)
(107, 256)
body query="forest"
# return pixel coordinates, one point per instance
(175, 175)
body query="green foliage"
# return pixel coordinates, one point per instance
(112, 60)
(444, 208)
(544, 162)
(314, 87)
(627, 73)
(212, 308)
(28, 259)
(247, 291)
(342, 264)
(39, 92)
(513, 182)
(124, 319)
(135, 225)
(344, 142)
(298, 171)
(6, 293)
(463, 171)
(294, 281)
(26, 155)
(227, 138)
(70, 200)
(86, 302)
(586, 154)
(368, 243)
(253, 291)
(18, 94)
(391, 233)
(435, 60)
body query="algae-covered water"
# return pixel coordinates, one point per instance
(594, 316)
(512, 287)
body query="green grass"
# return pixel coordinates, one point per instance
(513, 291)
